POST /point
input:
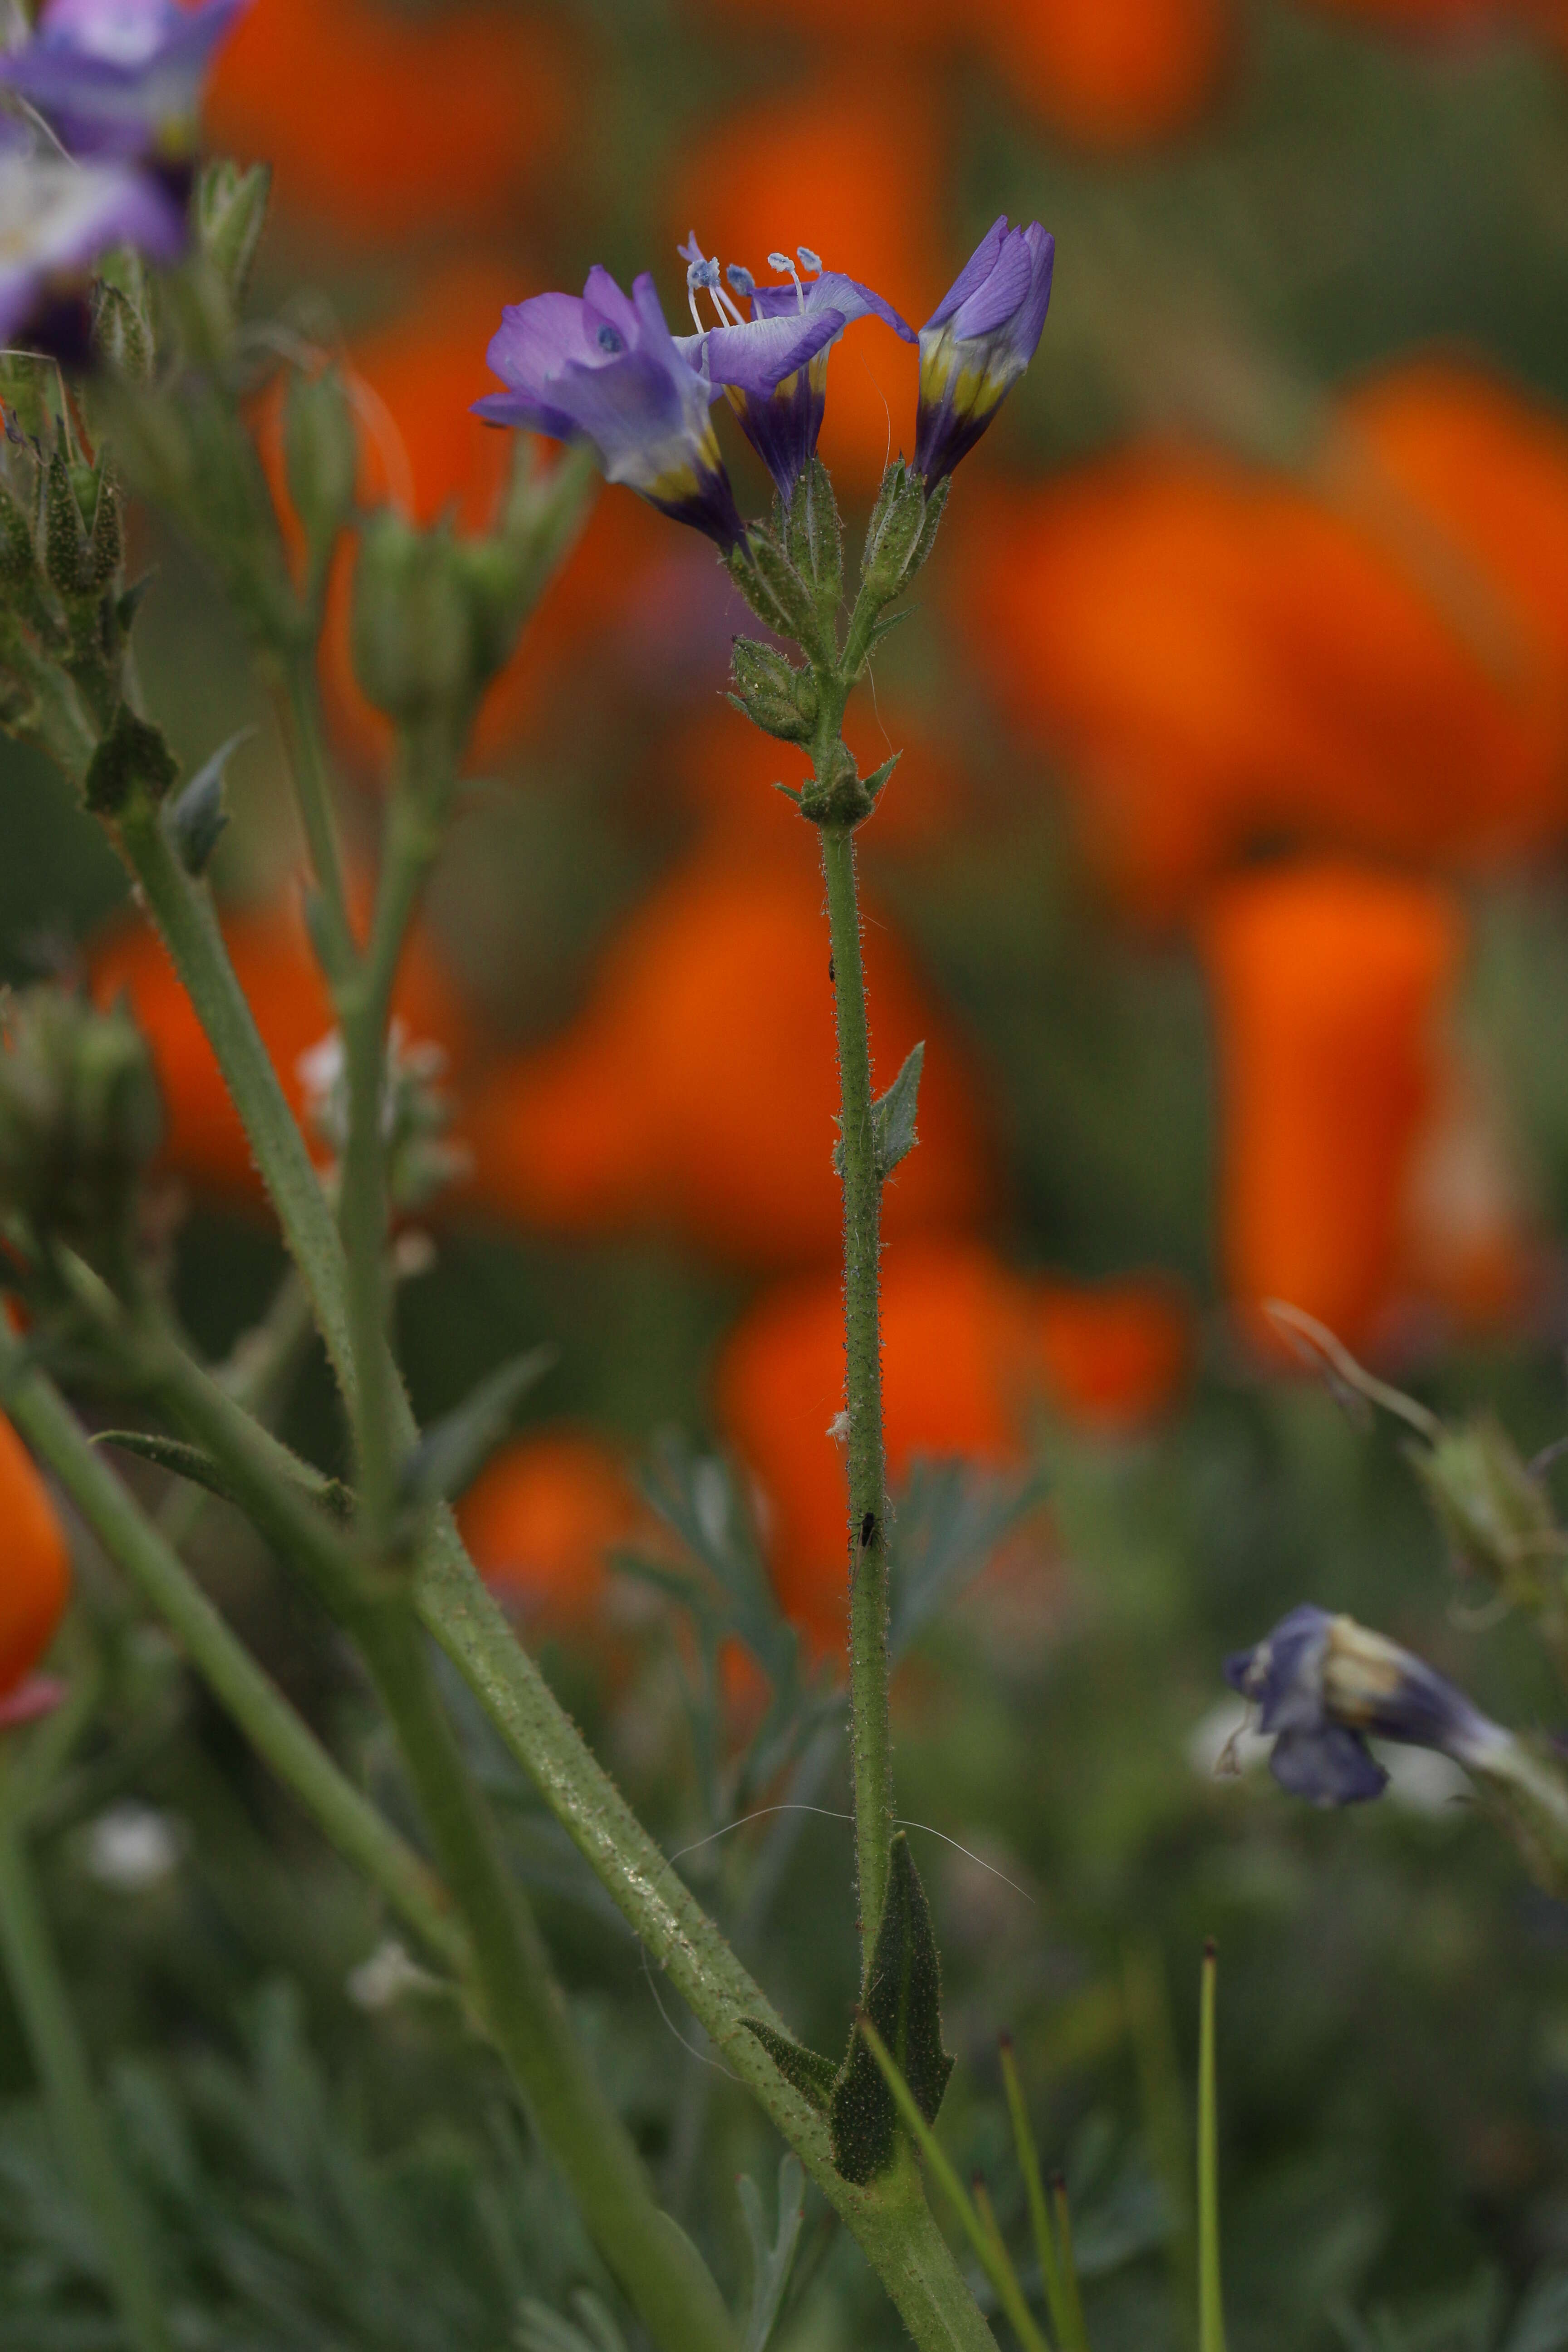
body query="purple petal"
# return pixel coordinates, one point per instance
(1331, 1767)
(757, 357)
(974, 274)
(1002, 292)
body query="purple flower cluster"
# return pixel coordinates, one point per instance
(606, 369)
(99, 149)
(1321, 1685)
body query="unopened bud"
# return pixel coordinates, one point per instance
(894, 533)
(121, 335)
(413, 635)
(320, 450)
(774, 694)
(79, 1119)
(1496, 1514)
(230, 212)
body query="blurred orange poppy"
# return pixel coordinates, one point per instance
(852, 168)
(696, 1091)
(34, 1578)
(205, 1142)
(1224, 656)
(968, 1349)
(385, 125)
(540, 1520)
(1348, 1164)
(1108, 73)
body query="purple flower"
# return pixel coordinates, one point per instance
(774, 365)
(978, 341)
(55, 219)
(121, 77)
(605, 369)
(1321, 1684)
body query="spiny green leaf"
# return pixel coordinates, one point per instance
(893, 1114)
(197, 816)
(903, 2002)
(810, 2074)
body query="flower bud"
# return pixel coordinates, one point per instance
(894, 533)
(81, 1117)
(774, 694)
(413, 642)
(773, 587)
(121, 334)
(1498, 1518)
(321, 451)
(19, 554)
(230, 212)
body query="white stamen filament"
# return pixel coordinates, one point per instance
(783, 261)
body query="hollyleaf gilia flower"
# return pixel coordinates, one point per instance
(978, 341)
(604, 368)
(1322, 1684)
(774, 365)
(55, 219)
(121, 77)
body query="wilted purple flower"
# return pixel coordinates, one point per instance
(978, 341)
(774, 365)
(604, 368)
(121, 77)
(1321, 1684)
(55, 219)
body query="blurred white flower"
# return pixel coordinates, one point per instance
(133, 1848)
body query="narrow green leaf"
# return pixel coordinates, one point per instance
(539, 2330)
(809, 2072)
(1211, 2306)
(903, 2003)
(193, 1463)
(1034, 2189)
(772, 2257)
(171, 1453)
(198, 814)
(454, 1449)
(893, 1114)
(1074, 2332)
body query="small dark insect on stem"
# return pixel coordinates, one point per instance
(832, 974)
(868, 1531)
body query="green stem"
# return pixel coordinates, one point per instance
(301, 714)
(226, 1666)
(899, 2237)
(416, 827)
(665, 2278)
(891, 2222)
(183, 910)
(868, 1663)
(1211, 2302)
(662, 2273)
(34, 1971)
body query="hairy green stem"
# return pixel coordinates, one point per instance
(897, 2235)
(869, 1661)
(183, 910)
(415, 825)
(660, 2270)
(43, 2004)
(1211, 2301)
(510, 1978)
(300, 712)
(260, 1709)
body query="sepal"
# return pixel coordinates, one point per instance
(774, 694)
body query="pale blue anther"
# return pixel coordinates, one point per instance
(742, 280)
(809, 260)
